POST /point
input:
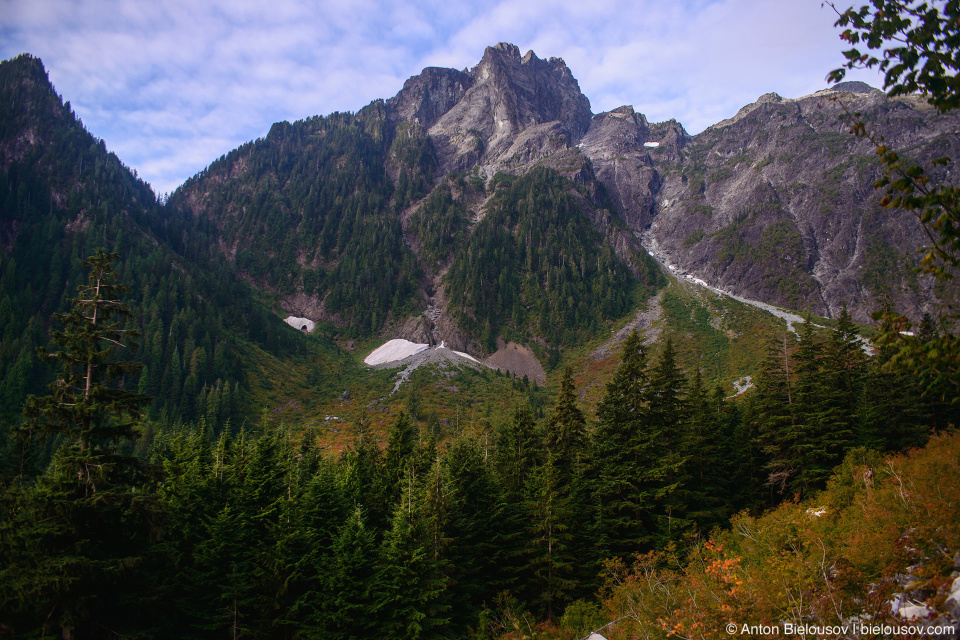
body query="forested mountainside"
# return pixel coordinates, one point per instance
(64, 195)
(531, 526)
(332, 214)
(472, 209)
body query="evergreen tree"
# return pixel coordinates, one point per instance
(519, 449)
(772, 414)
(400, 454)
(348, 608)
(808, 451)
(567, 452)
(706, 491)
(664, 431)
(566, 432)
(77, 543)
(484, 537)
(893, 414)
(623, 522)
(551, 556)
(365, 482)
(841, 389)
(412, 586)
(87, 405)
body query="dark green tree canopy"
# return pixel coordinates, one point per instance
(87, 404)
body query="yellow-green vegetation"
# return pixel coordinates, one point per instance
(305, 388)
(718, 335)
(450, 402)
(818, 562)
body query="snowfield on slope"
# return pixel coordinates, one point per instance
(393, 350)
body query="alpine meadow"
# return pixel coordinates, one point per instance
(477, 362)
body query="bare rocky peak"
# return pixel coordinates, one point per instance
(426, 97)
(775, 203)
(854, 86)
(621, 145)
(476, 118)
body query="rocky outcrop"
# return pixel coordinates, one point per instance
(774, 204)
(518, 361)
(426, 97)
(619, 144)
(510, 96)
(778, 204)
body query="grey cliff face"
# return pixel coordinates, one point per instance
(510, 97)
(778, 204)
(426, 97)
(620, 144)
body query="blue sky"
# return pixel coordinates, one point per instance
(170, 85)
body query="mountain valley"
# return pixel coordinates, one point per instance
(476, 362)
(488, 210)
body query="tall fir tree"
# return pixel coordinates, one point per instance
(88, 405)
(623, 522)
(706, 492)
(551, 547)
(665, 430)
(566, 432)
(772, 411)
(77, 542)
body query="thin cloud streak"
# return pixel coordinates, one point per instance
(171, 85)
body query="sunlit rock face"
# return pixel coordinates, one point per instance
(778, 203)
(509, 96)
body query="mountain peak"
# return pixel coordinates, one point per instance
(511, 50)
(475, 117)
(854, 86)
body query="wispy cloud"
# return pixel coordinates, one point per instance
(171, 85)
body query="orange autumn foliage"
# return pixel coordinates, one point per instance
(819, 562)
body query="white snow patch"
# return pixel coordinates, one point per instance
(393, 350)
(651, 145)
(301, 324)
(443, 345)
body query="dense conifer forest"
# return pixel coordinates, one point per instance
(211, 532)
